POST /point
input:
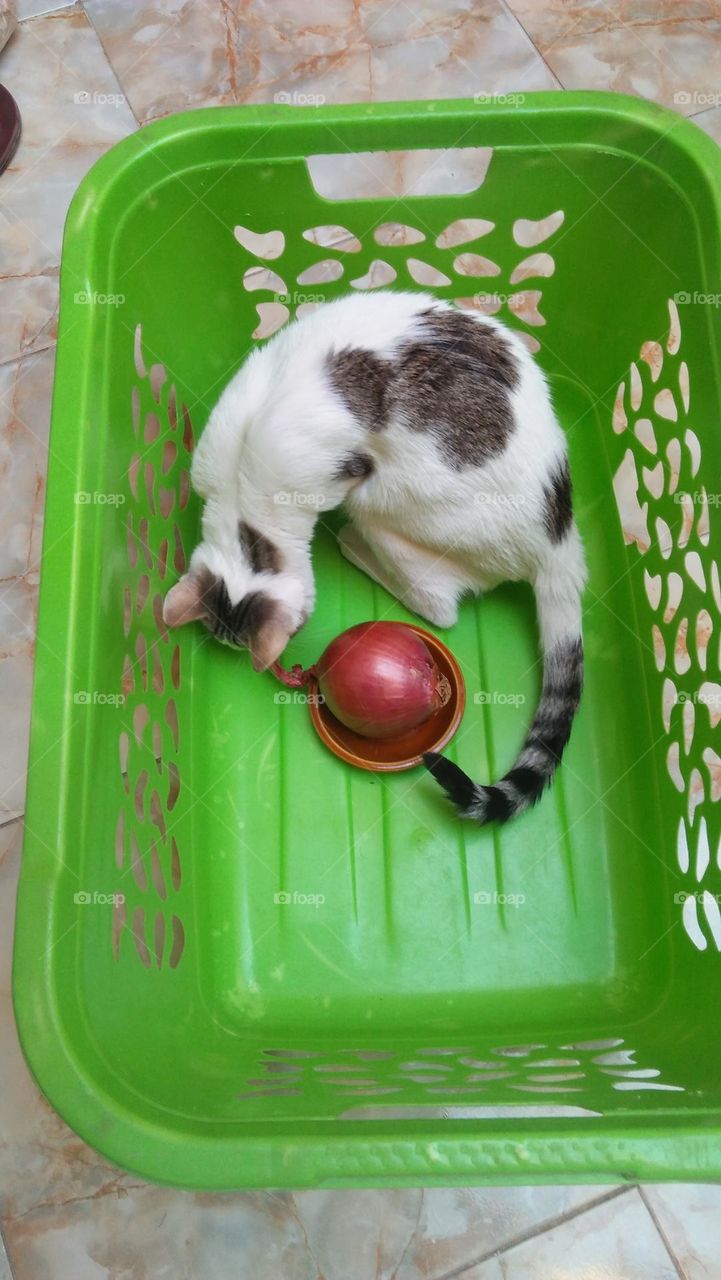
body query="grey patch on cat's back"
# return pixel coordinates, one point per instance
(356, 466)
(362, 379)
(454, 379)
(459, 334)
(558, 502)
(264, 555)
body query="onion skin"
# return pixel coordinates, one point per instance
(379, 679)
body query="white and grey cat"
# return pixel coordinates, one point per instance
(434, 429)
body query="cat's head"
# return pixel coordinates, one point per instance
(244, 596)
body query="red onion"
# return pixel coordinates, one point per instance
(379, 679)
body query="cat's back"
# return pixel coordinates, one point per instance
(376, 322)
(370, 360)
(295, 390)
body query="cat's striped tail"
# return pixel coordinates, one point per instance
(558, 596)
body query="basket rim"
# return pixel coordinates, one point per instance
(307, 1153)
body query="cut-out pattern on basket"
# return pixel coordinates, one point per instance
(263, 278)
(397, 233)
(263, 244)
(335, 237)
(504, 1073)
(442, 268)
(146, 852)
(665, 514)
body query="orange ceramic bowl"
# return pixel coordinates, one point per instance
(388, 755)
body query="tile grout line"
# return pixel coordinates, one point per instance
(79, 6)
(45, 13)
(705, 111)
(4, 1255)
(550, 1224)
(26, 355)
(682, 1275)
(111, 67)
(532, 43)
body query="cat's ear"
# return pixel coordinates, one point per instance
(268, 642)
(184, 602)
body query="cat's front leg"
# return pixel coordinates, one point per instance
(355, 548)
(413, 574)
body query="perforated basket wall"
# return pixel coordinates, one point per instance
(240, 962)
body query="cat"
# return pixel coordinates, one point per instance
(434, 429)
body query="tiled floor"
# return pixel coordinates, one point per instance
(85, 75)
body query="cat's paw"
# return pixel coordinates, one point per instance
(438, 612)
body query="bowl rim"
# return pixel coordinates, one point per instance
(324, 721)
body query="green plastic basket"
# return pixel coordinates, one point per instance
(240, 962)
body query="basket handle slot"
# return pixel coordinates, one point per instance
(373, 175)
